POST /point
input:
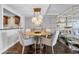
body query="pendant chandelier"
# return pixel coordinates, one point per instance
(37, 20)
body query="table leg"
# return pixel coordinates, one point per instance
(40, 46)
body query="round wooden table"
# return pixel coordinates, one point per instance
(37, 34)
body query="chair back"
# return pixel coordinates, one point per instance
(21, 37)
(50, 41)
(24, 40)
(55, 37)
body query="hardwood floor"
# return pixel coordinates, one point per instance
(17, 49)
(59, 48)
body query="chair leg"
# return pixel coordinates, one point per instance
(45, 49)
(23, 49)
(52, 50)
(35, 47)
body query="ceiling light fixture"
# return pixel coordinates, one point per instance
(38, 18)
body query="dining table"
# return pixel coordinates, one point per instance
(37, 36)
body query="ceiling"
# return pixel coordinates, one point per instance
(27, 9)
(47, 9)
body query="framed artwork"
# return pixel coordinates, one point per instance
(11, 21)
(5, 20)
(17, 20)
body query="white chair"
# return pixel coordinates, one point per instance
(48, 30)
(51, 42)
(25, 40)
(28, 30)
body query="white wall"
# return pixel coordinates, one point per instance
(0, 27)
(50, 22)
(8, 37)
(7, 13)
(0, 16)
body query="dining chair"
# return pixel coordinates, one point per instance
(51, 41)
(29, 30)
(25, 40)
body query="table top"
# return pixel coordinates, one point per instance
(37, 33)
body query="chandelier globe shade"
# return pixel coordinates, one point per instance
(34, 19)
(38, 18)
(37, 21)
